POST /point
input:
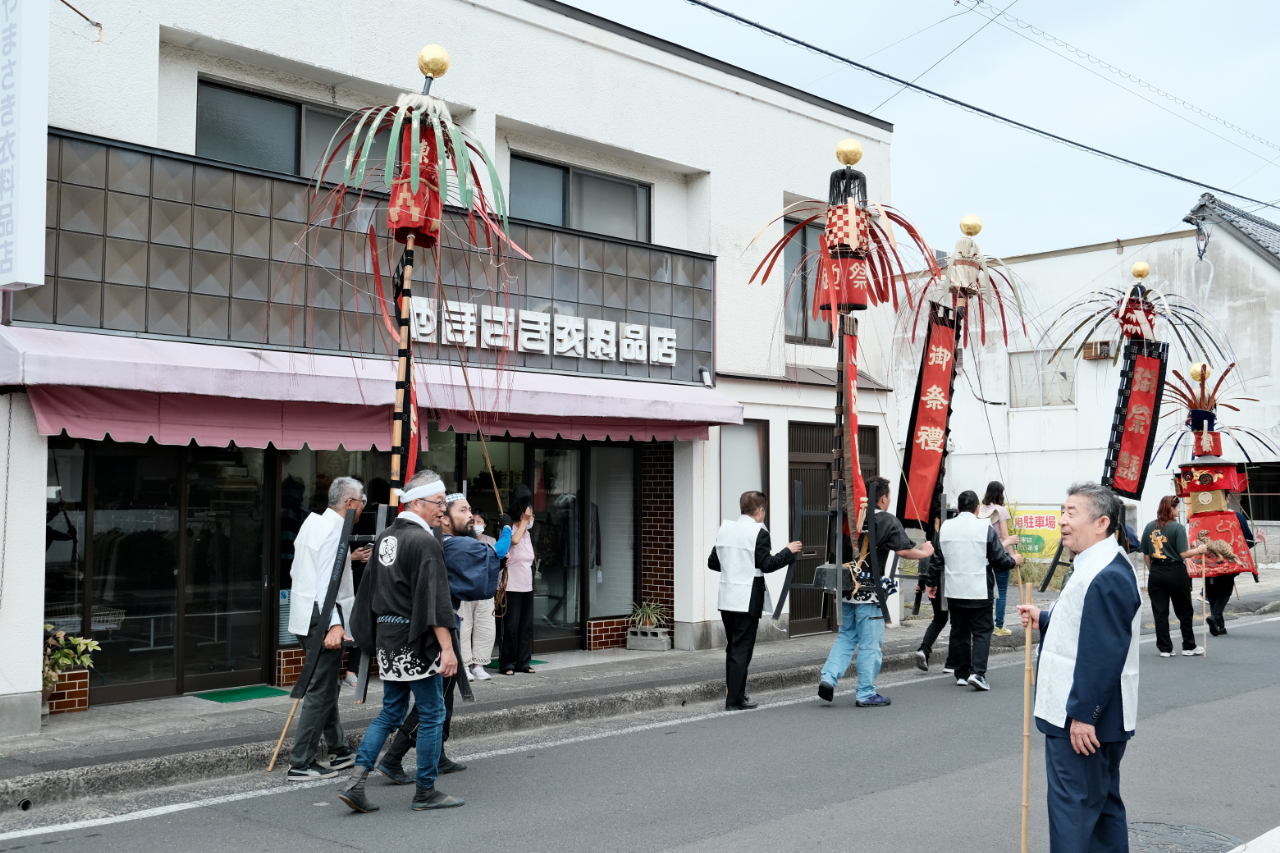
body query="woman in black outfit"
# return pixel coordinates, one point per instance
(1164, 546)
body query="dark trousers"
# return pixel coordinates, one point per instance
(935, 628)
(740, 644)
(1219, 589)
(971, 629)
(516, 651)
(407, 735)
(319, 712)
(1167, 583)
(1086, 814)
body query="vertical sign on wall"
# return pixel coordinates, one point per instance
(24, 128)
(1133, 426)
(927, 444)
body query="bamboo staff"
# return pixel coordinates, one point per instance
(404, 375)
(1024, 596)
(1204, 605)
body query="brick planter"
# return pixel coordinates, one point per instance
(71, 693)
(289, 665)
(606, 634)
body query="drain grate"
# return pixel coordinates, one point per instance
(1158, 837)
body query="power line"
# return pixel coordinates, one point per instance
(896, 43)
(1044, 134)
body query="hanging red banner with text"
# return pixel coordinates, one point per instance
(855, 488)
(927, 433)
(1133, 426)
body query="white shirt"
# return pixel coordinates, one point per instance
(314, 550)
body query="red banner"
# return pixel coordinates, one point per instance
(855, 488)
(927, 433)
(1133, 427)
(1228, 552)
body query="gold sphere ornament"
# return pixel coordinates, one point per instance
(433, 61)
(1200, 372)
(970, 225)
(1141, 269)
(849, 152)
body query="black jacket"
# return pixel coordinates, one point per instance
(765, 562)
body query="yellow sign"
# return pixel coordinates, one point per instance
(1038, 531)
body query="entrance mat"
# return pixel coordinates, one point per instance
(242, 694)
(493, 664)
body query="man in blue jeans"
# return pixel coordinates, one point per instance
(403, 611)
(863, 624)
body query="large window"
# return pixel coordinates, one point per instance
(262, 132)
(1036, 380)
(801, 263)
(588, 201)
(744, 467)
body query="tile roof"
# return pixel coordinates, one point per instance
(1266, 234)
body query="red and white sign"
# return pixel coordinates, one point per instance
(927, 434)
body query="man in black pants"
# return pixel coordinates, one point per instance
(742, 558)
(929, 581)
(1165, 548)
(1220, 587)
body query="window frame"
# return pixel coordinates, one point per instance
(806, 287)
(644, 211)
(1039, 383)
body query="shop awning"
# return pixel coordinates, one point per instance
(130, 388)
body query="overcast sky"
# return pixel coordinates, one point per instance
(1032, 194)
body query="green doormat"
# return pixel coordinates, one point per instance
(493, 664)
(242, 694)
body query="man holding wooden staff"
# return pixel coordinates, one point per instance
(1087, 679)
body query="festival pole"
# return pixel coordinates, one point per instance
(404, 375)
(1024, 595)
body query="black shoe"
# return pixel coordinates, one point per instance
(353, 792)
(922, 660)
(741, 706)
(394, 773)
(826, 691)
(1213, 626)
(310, 773)
(434, 798)
(341, 759)
(876, 701)
(448, 765)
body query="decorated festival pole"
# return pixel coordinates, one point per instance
(400, 435)
(1024, 595)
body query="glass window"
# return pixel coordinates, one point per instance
(743, 464)
(64, 540)
(557, 543)
(802, 261)
(319, 129)
(247, 129)
(1035, 381)
(611, 531)
(605, 206)
(507, 458)
(538, 191)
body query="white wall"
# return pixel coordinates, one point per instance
(22, 487)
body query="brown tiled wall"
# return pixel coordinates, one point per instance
(657, 525)
(606, 634)
(289, 665)
(71, 693)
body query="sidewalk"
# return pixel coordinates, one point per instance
(137, 745)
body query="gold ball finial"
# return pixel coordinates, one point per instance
(1200, 372)
(433, 61)
(849, 152)
(1141, 269)
(970, 225)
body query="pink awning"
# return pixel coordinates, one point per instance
(94, 384)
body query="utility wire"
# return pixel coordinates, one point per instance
(1106, 66)
(1044, 134)
(896, 43)
(986, 24)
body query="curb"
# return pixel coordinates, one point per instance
(58, 786)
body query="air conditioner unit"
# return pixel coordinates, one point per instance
(1097, 350)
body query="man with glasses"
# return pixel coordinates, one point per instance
(314, 550)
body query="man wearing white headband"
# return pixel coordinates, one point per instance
(403, 612)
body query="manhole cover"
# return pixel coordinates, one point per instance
(1157, 837)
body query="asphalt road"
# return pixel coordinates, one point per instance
(940, 770)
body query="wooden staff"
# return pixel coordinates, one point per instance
(1024, 595)
(1204, 605)
(279, 743)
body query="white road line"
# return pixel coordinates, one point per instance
(495, 753)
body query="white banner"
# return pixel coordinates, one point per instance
(24, 133)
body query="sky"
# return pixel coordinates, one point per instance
(1032, 194)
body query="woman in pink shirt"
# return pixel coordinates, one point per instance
(517, 623)
(994, 511)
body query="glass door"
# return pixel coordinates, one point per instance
(559, 522)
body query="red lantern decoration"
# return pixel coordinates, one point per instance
(417, 213)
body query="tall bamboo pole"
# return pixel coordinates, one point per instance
(1025, 596)
(404, 375)
(1204, 605)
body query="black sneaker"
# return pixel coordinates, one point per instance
(922, 660)
(826, 691)
(977, 682)
(310, 773)
(434, 798)
(343, 758)
(876, 701)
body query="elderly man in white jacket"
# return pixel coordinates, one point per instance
(742, 558)
(314, 550)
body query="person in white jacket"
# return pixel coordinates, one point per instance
(742, 558)
(314, 550)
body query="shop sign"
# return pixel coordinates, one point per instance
(1039, 532)
(495, 327)
(24, 125)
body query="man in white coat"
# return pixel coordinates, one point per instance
(314, 550)
(742, 558)
(1087, 678)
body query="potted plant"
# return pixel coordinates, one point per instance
(63, 652)
(647, 631)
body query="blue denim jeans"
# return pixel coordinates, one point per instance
(862, 628)
(429, 695)
(1002, 596)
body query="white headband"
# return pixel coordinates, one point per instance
(419, 492)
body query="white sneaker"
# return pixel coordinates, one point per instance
(948, 670)
(480, 673)
(471, 676)
(1166, 654)
(1198, 650)
(960, 682)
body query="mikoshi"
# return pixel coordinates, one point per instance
(859, 265)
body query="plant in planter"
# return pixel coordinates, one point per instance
(63, 652)
(647, 632)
